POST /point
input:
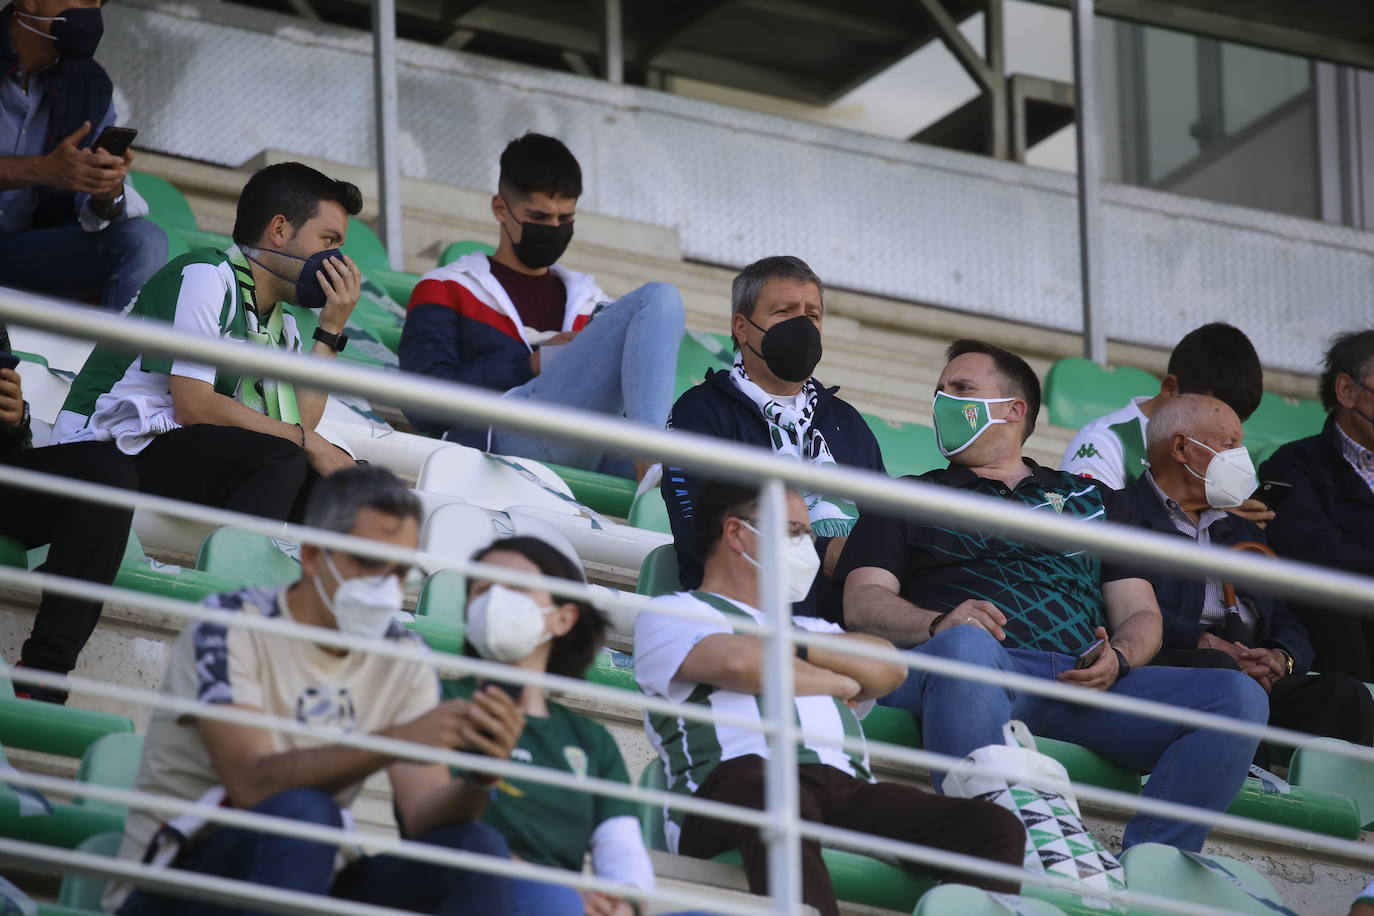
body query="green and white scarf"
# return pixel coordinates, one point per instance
(267, 396)
(792, 435)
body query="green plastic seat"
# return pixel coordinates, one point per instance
(363, 246)
(658, 573)
(66, 731)
(1279, 420)
(1302, 808)
(444, 597)
(111, 761)
(963, 900)
(649, 512)
(439, 635)
(1214, 881)
(83, 892)
(63, 825)
(1313, 766)
(247, 557)
(698, 352)
(908, 448)
(1078, 391)
(12, 553)
(166, 204)
(613, 669)
(602, 492)
(456, 250)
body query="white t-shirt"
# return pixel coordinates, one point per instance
(356, 692)
(691, 749)
(1111, 448)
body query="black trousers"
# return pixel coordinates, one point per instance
(1331, 705)
(87, 542)
(831, 796)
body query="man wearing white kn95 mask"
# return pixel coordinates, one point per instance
(704, 661)
(308, 779)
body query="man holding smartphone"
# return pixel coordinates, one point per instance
(70, 221)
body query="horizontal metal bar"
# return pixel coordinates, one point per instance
(728, 460)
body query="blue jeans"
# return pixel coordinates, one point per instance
(301, 865)
(70, 263)
(1191, 766)
(624, 363)
(535, 898)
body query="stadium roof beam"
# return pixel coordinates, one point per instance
(987, 71)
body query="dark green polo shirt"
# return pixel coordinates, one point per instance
(1052, 599)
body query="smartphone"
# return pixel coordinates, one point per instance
(1090, 655)
(8, 360)
(514, 691)
(116, 140)
(1272, 492)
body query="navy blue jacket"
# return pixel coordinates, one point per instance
(717, 408)
(1327, 519)
(1181, 597)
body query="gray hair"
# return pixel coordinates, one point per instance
(1352, 354)
(1180, 416)
(336, 500)
(744, 291)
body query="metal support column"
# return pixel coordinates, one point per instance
(613, 44)
(387, 124)
(1089, 177)
(780, 774)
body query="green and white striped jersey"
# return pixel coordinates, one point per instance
(690, 749)
(127, 397)
(1111, 449)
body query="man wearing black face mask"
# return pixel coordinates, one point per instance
(770, 399)
(213, 437)
(69, 218)
(519, 322)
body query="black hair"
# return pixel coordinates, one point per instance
(1218, 360)
(1021, 378)
(572, 653)
(535, 163)
(292, 190)
(1352, 354)
(716, 501)
(335, 500)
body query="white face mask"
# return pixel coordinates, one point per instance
(363, 606)
(800, 561)
(505, 625)
(1230, 476)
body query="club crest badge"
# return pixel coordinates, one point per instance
(1056, 500)
(577, 760)
(971, 414)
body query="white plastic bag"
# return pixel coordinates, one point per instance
(1057, 843)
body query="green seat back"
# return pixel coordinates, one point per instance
(456, 250)
(613, 669)
(246, 557)
(658, 575)
(1278, 420)
(444, 596)
(84, 891)
(167, 206)
(1302, 808)
(698, 352)
(66, 731)
(112, 761)
(962, 900)
(602, 492)
(439, 635)
(363, 246)
(863, 880)
(908, 448)
(1078, 391)
(650, 815)
(1226, 884)
(12, 553)
(1313, 766)
(649, 512)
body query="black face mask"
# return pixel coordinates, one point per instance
(541, 245)
(791, 348)
(309, 293)
(78, 32)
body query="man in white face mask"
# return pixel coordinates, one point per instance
(307, 779)
(703, 660)
(1198, 469)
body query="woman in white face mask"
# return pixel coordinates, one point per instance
(538, 631)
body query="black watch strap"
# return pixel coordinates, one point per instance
(1123, 667)
(335, 342)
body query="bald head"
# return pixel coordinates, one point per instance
(1172, 438)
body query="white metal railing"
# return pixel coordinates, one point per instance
(779, 823)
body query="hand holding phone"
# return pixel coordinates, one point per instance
(8, 360)
(116, 140)
(1272, 492)
(1090, 655)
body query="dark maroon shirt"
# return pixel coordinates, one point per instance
(540, 300)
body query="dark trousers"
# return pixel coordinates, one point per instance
(226, 467)
(1330, 705)
(270, 860)
(87, 542)
(67, 261)
(830, 796)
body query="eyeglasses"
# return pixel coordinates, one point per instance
(794, 529)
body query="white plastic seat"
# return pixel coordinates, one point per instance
(494, 481)
(600, 540)
(43, 389)
(458, 530)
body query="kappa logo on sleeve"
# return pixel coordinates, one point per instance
(1088, 450)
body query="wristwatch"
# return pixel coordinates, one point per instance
(1287, 661)
(335, 342)
(1123, 667)
(109, 210)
